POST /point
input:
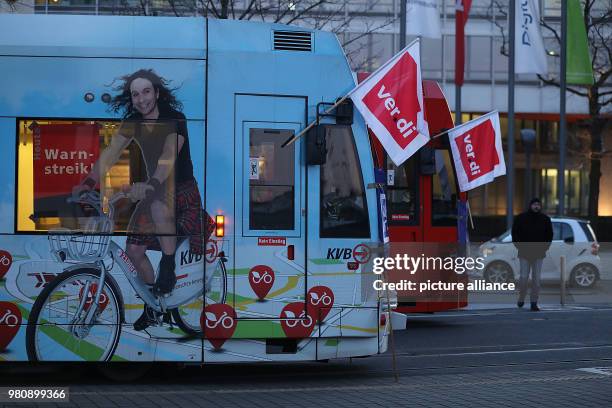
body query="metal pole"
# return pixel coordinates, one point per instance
(510, 162)
(402, 18)
(562, 119)
(528, 188)
(562, 278)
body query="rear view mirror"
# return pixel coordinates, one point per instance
(316, 145)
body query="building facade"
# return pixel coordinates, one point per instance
(369, 31)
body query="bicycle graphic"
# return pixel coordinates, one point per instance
(266, 277)
(225, 320)
(293, 321)
(83, 306)
(325, 299)
(10, 319)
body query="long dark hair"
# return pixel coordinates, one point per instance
(122, 102)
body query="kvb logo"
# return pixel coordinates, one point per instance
(261, 279)
(5, 262)
(211, 252)
(295, 322)
(320, 301)
(188, 257)
(361, 253)
(10, 320)
(91, 293)
(218, 323)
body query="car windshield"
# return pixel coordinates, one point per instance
(588, 231)
(503, 236)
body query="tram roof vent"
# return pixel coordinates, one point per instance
(292, 40)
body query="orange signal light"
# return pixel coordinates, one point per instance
(220, 228)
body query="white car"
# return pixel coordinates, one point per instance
(573, 238)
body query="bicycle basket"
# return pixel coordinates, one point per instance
(82, 245)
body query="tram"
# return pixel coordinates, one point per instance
(271, 267)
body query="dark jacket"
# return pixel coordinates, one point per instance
(532, 234)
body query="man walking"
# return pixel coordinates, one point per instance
(532, 235)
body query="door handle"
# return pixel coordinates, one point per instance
(290, 252)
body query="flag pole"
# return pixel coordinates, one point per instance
(510, 170)
(292, 139)
(562, 107)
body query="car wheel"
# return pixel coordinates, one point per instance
(499, 272)
(584, 275)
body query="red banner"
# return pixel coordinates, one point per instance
(63, 156)
(462, 11)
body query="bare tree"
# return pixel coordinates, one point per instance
(599, 95)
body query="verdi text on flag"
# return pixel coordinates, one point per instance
(477, 151)
(391, 102)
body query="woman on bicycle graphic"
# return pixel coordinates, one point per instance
(167, 193)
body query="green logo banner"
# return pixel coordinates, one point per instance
(579, 67)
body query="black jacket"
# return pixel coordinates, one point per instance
(532, 234)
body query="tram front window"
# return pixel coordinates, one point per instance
(344, 211)
(402, 191)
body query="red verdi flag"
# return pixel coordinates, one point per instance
(462, 11)
(391, 102)
(477, 151)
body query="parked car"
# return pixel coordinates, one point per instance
(573, 238)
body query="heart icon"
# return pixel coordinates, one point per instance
(91, 293)
(261, 278)
(320, 301)
(10, 320)
(218, 322)
(296, 323)
(5, 262)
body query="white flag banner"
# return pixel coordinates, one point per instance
(423, 18)
(391, 102)
(530, 56)
(477, 151)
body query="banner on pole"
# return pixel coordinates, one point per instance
(530, 51)
(477, 151)
(579, 66)
(462, 11)
(423, 18)
(391, 102)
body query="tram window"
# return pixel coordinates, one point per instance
(56, 155)
(444, 191)
(402, 192)
(344, 211)
(271, 180)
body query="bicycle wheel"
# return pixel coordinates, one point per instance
(53, 332)
(187, 316)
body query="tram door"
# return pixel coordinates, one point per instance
(269, 241)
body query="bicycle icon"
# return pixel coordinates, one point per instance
(266, 277)
(293, 321)
(325, 299)
(8, 318)
(225, 320)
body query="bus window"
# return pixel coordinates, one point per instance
(271, 180)
(402, 192)
(444, 192)
(344, 212)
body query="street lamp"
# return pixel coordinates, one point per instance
(528, 137)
